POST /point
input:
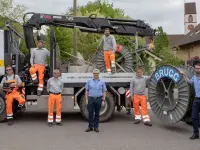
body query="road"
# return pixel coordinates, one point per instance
(30, 132)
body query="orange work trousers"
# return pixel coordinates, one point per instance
(137, 100)
(54, 99)
(40, 69)
(9, 102)
(109, 57)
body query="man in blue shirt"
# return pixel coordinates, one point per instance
(195, 82)
(95, 94)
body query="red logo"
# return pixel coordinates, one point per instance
(46, 17)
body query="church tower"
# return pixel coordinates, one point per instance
(190, 16)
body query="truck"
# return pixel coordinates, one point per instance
(73, 77)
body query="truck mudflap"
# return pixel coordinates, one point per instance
(169, 94)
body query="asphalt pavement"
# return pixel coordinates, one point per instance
(30, 132)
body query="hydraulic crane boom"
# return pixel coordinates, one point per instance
(85, 24)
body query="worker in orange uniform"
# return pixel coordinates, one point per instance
(10, 84)
(55, 88)
(137, 89)
(109, 47)
(38, 61)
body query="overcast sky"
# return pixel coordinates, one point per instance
(166, 13)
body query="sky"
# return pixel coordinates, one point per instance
(166, 13)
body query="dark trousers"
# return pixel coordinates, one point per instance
(94, 106)
(195, 115)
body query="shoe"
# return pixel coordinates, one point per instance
(50, 124)
(58, 123)
(89, 129)
(137, 121)
(193, 137)
(10, 122)
(148, 123)
(96, 130)
(39, 93)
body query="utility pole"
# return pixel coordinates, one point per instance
(74, 33)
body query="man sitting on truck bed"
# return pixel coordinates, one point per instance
(109, 46)
(38, 61)
(10, 84)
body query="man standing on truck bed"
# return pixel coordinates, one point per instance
(195, 81)
(137, 89)
(95, 94)
(10, 84)
(55, 88)
(38, 61)
(109, 47)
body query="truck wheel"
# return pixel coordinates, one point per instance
(106, 112)
(2, 109)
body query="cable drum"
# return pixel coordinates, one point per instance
(123, 59)
(169, 93)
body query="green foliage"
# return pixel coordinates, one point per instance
(163, 50)
(87, 42)
(11, 11)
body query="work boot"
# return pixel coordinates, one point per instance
(89, 129)
(58, 123)
(20, 105)
(39, 93)
(193, 137)
(50, 124)
(96, 130)
(10, 122)
(148, 123)
(137, 121)
(35, 81)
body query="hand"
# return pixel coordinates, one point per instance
(183, 73)
(9, 90)
(13, 85)
(112, 52)
(103, 103)
(86, 101)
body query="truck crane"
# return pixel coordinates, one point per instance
(73, 93)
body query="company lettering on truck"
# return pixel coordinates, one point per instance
(168, 72)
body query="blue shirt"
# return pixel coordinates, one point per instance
(95, 88)
(195, 81)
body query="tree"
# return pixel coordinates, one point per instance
(12, 11)
(87, 42)
(163, 49)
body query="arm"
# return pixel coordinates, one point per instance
(132, 84)
(114, 43)
(32, 57)
(48, 53)
(86, 91)
(61, 87)
(48, 85)
(191, 81)
(104, 91)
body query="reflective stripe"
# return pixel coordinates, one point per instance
(50, 120)
(40, 89)
(34, 75)
(113, 62)
(138, 117)
(58, 117)
(50, 117)
(34, 78)
(41, 85)
(58, 120)
(108, 70)
(113, 65)
(146, 119)
(10, 115)
(147, 116)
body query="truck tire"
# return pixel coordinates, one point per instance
(2, 108)
(106, 112)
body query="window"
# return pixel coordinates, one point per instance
(190, 18)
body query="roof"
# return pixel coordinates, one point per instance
(191, 37)
(190, 8)
(174, 38)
